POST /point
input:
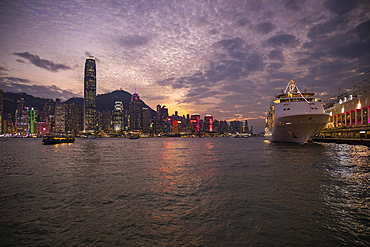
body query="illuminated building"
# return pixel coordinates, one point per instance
(22, 118)
(246, 128)
(60, 117)
(176, 126)
(195, 123)
(146, 118)
(220, 126)
(48, 109)
(208, 123)
(161, 123)
(106, 120)
(32, 121)
(1, 111)
(74, 119)
(90, 95)
(8, 124)
(168, 125)
(135, 112)
(236, 127)
(349, 112)
(118, 116)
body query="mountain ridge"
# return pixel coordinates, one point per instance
(104, 102)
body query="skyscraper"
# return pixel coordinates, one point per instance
(195, 123)
(90, 95)
(118, 116)
(60, 117)
(135, 112)
(208, 123)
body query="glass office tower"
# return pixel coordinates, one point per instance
(90, 95)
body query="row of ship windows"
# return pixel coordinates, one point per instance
(287, 109)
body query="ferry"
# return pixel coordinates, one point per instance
(57, 139)
(294, 116)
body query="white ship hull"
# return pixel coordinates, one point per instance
(296, 128)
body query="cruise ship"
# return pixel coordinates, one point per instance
(294, 116)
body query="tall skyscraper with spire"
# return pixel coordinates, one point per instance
(90, 95)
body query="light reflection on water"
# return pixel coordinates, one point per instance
(347, 196)
(183, 191)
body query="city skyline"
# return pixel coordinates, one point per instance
(225, 58)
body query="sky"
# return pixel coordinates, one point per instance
(220, 57)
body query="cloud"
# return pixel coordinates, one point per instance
(293, 4)
(242, 22)
(3, 70)
(275, 66)
(14, 84)
(322, 30)
(20, 60)
(283, 40)
(276, 55)
(231, 44)
(41, 63)
(134, 41)
(354, 50)
(265, 27)
(363, 30)
(341, 7)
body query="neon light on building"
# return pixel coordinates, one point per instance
(208, 123)
(32, 121)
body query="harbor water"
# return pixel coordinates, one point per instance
(183, 191)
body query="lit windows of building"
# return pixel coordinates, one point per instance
(60, 117)
(118, 116)
(90, 95)
(195, 123)
(146, 118)
(135, 112)
(22, 118)
(208, 123)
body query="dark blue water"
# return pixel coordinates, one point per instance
(183, 191)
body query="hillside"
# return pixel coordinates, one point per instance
(103, 101)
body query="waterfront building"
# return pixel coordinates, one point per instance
(118, 117)
(60, 117)
(236, 127)
(245, 127)
(160, 125)
(349, 113)
(47, 110)
(8, 123)
(195, 123)
(90, 95)
(22, 118)
(147, 117)
(74, 119)
(135, 112)
(176, 127)
(106, 121)
(33, 125)
(208, 123)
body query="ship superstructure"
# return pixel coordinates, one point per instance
(294, 116)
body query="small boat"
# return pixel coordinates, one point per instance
(241, 135)
(57, 139)
(134, 137)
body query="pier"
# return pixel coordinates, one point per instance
(349, 120)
